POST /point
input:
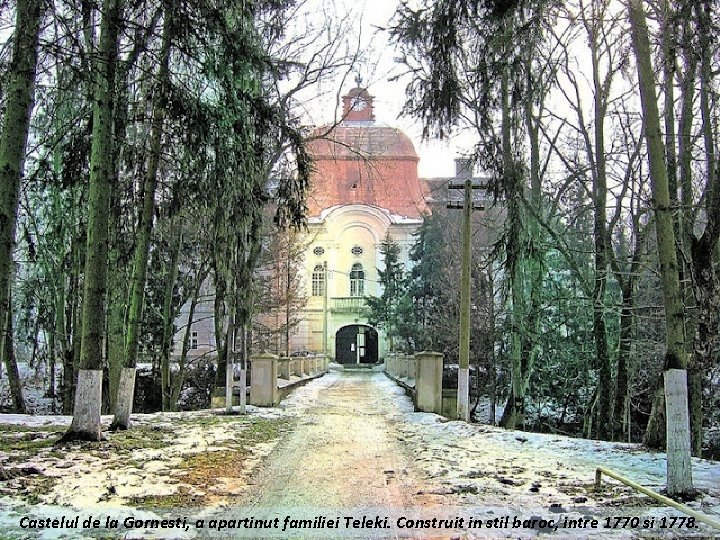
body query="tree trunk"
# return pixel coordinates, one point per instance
(679, 473)
(20, 81)
(88, 399)
(11, 367)
(621, 379)
(603, 406)
(71, 351)
(514, 414)
(702, 249)
(168, 324)
(126, 389)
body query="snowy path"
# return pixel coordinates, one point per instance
(359, 447)
(344, 452)
(347, 446)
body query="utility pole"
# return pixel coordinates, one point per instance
(463, 396)
(287, 298)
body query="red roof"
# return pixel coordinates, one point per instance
(365, 162)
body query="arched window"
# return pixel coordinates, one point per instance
(357, 280)
(318, 281)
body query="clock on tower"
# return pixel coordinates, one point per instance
(358, 106)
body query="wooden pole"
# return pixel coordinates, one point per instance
(661, 498)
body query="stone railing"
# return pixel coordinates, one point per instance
(348, 304)
(272, 377)
(421, 376)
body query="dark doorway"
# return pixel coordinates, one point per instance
(356, 344)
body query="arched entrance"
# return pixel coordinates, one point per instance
(356, 344)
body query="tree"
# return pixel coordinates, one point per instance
(88, 399)
(126, 386)
(13, 143)
(679, 481)
(393, 308)
(466, 69)
(280, 295)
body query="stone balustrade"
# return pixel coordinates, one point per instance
(273, 378)
(421, 376)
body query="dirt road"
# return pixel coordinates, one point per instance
(344, 452)
(346, 457)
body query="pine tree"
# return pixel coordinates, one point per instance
(13, 143)
(393, 308)
(88, 398)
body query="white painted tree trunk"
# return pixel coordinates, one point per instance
(679, 462)
(125, 398)
(243, 390)
(463, 398)
(229, 382)
(88, 403)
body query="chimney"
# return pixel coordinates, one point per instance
(463, 168)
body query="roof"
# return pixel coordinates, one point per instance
(362, 139)
(361, 161)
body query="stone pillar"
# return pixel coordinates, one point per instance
(297, 367)
(264, 373)
(428, 381)
(390, 364)
(410, 367)
(284, 368)
(402, 361)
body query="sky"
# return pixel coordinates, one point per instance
(366, 19)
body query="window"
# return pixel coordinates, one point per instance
(318, 281)
(193, 340)
(357, 280)
(356, 250)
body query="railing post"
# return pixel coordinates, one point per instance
(392, 364)
(264, 374)
(428, 381)
(411, 370)
(403, 366)
(284, 368)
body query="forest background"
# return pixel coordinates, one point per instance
(149, 146)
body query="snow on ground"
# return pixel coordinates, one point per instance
(513, 471)
(207, 461)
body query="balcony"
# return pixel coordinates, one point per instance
(349, 304)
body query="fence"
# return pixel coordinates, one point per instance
(272, 377)
(421, 376)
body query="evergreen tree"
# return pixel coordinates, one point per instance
(393, 308)
(13, 143)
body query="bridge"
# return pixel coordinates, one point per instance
(272, 378)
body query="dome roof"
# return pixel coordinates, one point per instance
(362, 140)
(361, 161)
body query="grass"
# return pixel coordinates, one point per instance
(19, 428)
(138, 438)
(38, 486)
(183, 498)
(28, 441)
(197, 471)
(203, 470)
